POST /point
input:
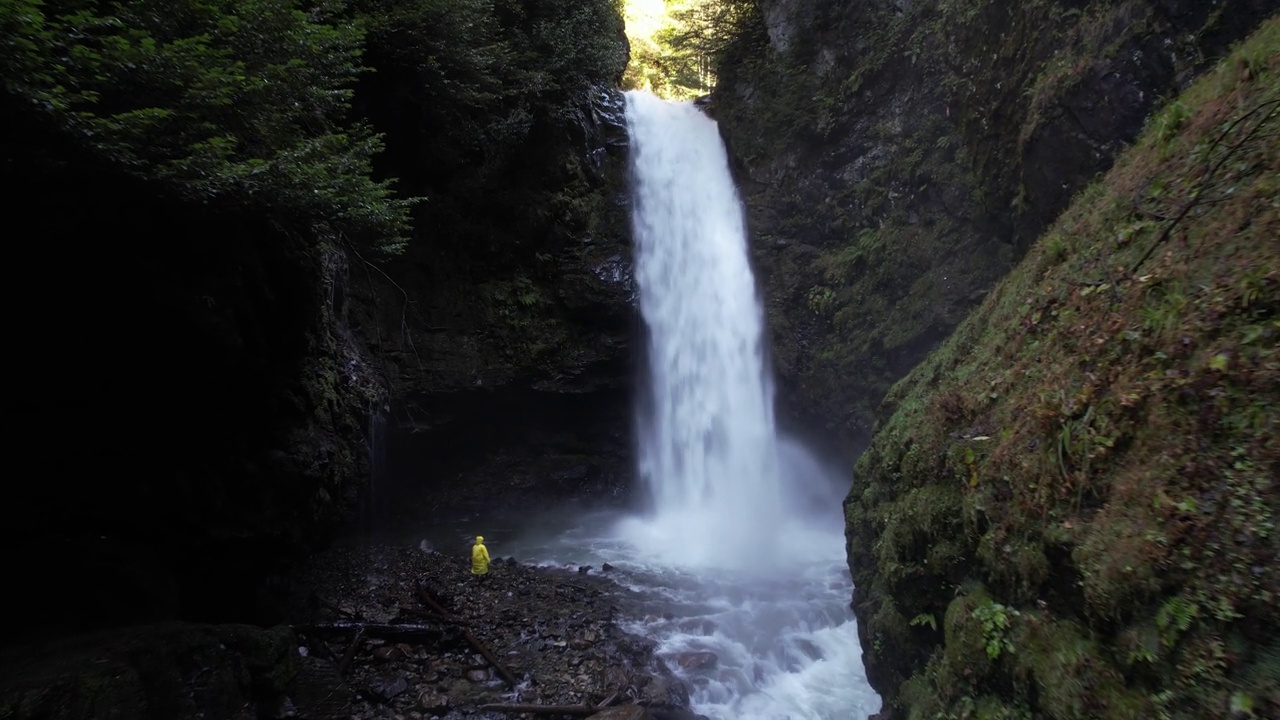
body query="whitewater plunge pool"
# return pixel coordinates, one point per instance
(784, 641)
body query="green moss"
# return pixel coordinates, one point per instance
(1120, 556)
(1071, 676)
(966, 641)
(1096, 445)
(1016, 562)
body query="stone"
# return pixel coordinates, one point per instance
(433, 702)
(697, 660)
(388, 652)
(385, 688)
(664, 691)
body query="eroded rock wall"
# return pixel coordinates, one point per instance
(503, 332)
(898, 157)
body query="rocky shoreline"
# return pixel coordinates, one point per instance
(372, 632)
(551, 632)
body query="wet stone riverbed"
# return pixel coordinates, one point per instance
(438, 643)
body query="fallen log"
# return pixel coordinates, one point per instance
(581, 710)
(503, 672)
(382, 631)
(427, 599)
(425, 596)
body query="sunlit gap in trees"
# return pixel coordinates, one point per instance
(670, 53)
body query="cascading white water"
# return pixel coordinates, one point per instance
(735, 555)
(707, 441)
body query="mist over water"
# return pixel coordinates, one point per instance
(741, 551)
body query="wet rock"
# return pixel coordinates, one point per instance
(552, 629)
(388, 652)
(433, 702)
(697, 660)
(663, 692)
(810, 649)
(384, 688)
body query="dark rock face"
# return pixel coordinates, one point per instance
(212, 422)
(502, 453)
(897, 157)
(504, 332)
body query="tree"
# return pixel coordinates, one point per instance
(238, 101)
(675, 51)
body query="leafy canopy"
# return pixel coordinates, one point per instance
(243, 101)
(675, 44)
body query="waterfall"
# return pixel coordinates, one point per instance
(740, 552)
(708, 449)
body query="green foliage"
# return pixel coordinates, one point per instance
(498, 56)
(925, 619)
(241, 102)
(1174, 618)
(675, 55)
(995, 620)
(1125, 376)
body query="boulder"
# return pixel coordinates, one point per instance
(697, 660)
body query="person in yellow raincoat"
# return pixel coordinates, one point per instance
(479, 559)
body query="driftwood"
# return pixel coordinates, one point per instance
(581, 710)
(427, 599)
(425, 596)
(503, 672)
(407, 633)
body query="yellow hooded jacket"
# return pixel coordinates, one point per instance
(479, 557)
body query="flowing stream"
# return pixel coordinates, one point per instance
(740, 552)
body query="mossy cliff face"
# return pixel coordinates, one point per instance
(1070, 509)
(897, 157)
